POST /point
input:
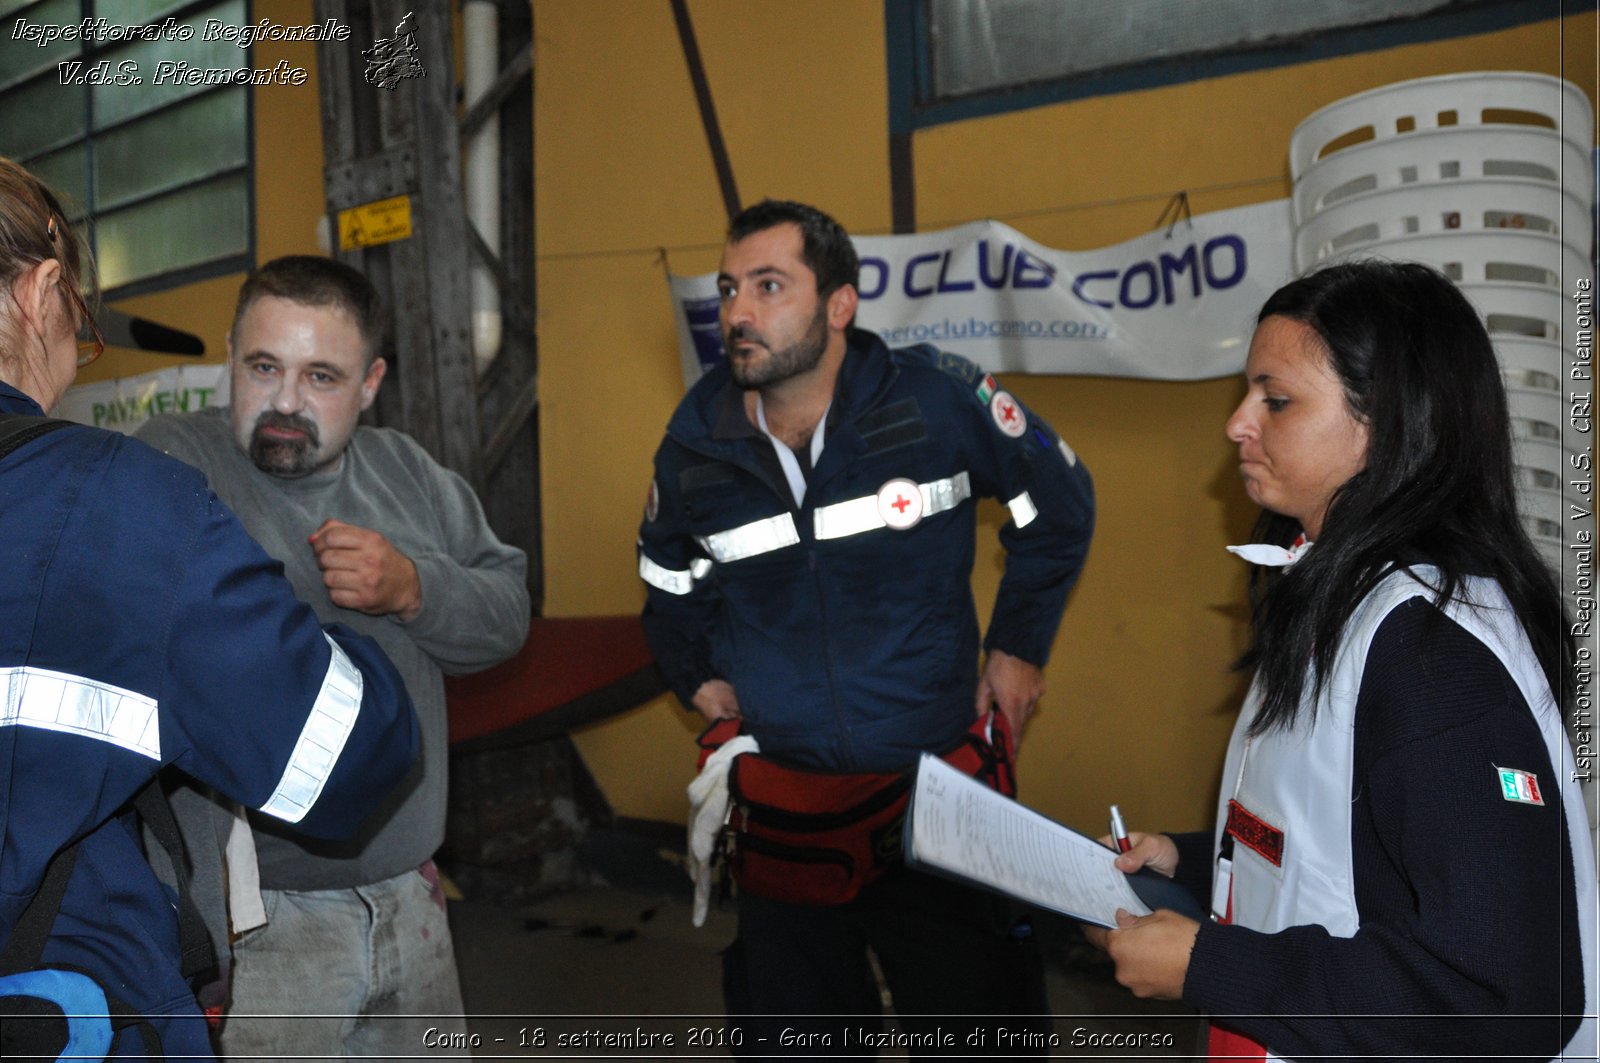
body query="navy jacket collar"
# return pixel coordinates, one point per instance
(714, 407)
(14, 401)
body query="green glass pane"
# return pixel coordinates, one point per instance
(66, 172)
(9, 6)
(23, 56)
(164, 84)
(184, 229)
(200, 138)
(38, 117)
(135, 12)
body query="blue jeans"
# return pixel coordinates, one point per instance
(358, 972)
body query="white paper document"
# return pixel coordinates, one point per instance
(958, 826)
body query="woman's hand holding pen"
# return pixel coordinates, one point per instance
(1155, 851)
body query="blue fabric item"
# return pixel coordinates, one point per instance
(142, 627)
(81, 1001)
(857, 653)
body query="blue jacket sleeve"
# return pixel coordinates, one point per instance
(1027, 466)
(312, 726)
(679, 607)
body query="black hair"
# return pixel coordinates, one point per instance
(1438, 488)
(315, 281)
(826, 248)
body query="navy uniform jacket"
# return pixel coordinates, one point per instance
(850, 639)
(140, 627)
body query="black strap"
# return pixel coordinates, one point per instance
(26, 943)
(25, 947)
(19, 428)
(194, 941)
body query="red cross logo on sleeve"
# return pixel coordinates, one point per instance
(1007, 415)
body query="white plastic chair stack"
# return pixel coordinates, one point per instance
(1487, 177)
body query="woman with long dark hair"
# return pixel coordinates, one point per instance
(1402, 863)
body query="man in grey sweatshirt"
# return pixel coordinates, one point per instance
(372, 533)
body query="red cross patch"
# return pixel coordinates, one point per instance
(1008, 415)
(900, 503)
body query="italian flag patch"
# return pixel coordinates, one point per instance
(986, 389)
(1522, 786)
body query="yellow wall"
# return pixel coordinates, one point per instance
(1141, 699)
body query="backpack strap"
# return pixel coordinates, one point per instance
(19, 428)
(26, 943)
(25, 947)
(194, 941)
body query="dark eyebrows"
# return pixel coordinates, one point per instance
(257, 357)
(758, 272)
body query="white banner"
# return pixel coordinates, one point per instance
(1176, 306)
(124, 404)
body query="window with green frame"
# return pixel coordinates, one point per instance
(957, 59)
(156, 169)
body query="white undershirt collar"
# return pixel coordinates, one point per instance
(786, 458)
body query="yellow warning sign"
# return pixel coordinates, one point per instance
(375, 223)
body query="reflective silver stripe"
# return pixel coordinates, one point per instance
(1022, 509)
(847, 518)
(322, 739)
(940, 495)
(859, 515)
(700, 567)
(673, 581)
(748, 540)
(71, 704)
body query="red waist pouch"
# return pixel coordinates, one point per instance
(811, 837)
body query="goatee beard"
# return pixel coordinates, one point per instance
(281, 457)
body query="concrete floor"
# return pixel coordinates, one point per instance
(608, 970)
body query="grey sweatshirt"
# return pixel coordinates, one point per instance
(475, 609)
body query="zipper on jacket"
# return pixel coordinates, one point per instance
(841, 731)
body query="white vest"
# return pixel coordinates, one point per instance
(1295, 785)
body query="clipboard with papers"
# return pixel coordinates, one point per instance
(958, 827)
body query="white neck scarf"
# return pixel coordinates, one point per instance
(1272, 556)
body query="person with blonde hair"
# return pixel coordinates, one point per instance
(140, 627)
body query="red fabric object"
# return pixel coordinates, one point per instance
(562, 661)
(810, 837)
(1221, 1042)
